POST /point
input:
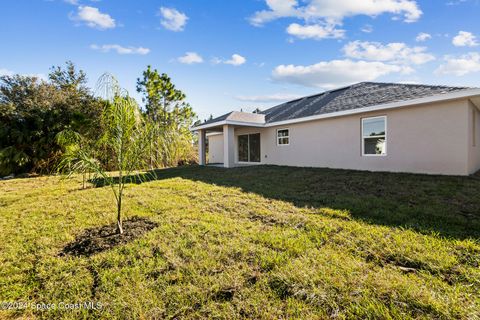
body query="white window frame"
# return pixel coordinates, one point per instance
(380, 136)
(278, 138)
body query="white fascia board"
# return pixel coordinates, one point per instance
(210, 125)
(230, 122)
(437, 98)
(213, 134)
(247, 124)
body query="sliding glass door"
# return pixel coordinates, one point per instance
(249, 147)
(254, 147)
(243, 148)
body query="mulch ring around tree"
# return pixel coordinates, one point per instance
(99, 239)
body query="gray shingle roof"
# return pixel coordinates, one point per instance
(217, 119)
(240, 117)
(360, 95)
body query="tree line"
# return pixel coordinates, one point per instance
(43, 123)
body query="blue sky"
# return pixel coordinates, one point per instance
(243, 54)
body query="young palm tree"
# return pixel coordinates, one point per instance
(72, 143)
(126, 139)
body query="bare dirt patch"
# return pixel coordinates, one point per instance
(99, 239)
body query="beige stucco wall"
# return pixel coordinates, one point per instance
(215, 148)
(473, 138)
(431, 138)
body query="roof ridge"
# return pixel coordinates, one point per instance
(417, 84)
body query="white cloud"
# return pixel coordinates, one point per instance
(93, 18)
(368, 28)
(335, 11)
(6, 72)
(396, 52)
(459, 66)
(454, 3)
(423, 36)
(408, 82)
(331, 74)
(278, 9)
(74, 2)
(277, 97)
(190, 58)
(465, 39)
(235, 60)
(120, 49)
(172, 19)
(315, 31)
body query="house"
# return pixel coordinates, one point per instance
(365, 126)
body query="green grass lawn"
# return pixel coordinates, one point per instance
(260, 242)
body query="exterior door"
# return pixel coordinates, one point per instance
(254, 147)
(249, 147)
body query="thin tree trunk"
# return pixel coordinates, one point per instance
(151, 154)
(119, 203)
(119, 217)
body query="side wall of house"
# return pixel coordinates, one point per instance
(215, 148)
(473, 138)
(431, 138)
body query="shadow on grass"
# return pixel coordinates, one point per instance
(103, 238)
(447, 205)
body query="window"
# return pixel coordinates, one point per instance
(283, 137)
(249, 147)
(374, 136)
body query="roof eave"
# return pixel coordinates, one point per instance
(229, 122)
